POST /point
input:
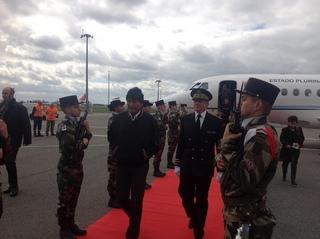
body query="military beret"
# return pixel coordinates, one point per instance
(261, 89)
(68, 101)
(172, 103)
(147, 103)
(201, 94)
(135, 93)
(159, 102)
(113, 104)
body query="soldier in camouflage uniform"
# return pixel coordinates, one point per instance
(116, 106)
(183, 110)
(173, 132)
(249, 161)
(3, 138)
(161, 118)
(70, 170)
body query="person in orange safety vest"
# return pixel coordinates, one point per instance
(38, 113)
(51, 116)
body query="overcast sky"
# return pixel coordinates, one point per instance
(140, 41)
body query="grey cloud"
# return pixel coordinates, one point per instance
(23, 7)
(48, 42)
(107, 15)
(131, 3)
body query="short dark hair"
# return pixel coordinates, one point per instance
(293, 118)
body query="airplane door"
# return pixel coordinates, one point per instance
(227, 98)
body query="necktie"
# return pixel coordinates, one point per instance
(198, 121)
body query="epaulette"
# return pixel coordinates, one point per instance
(253, 132)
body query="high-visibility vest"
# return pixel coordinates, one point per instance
(51, 113)
(38, 110)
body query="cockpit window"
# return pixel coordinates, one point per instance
(204, 85)
(196, 85)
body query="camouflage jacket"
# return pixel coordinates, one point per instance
(173, 120)
(250, 164)
(67, 144)
(162, 123)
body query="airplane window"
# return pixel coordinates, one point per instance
(295, 92)
(318, 92)
(204, 85)
(284, 91)
(307, 92)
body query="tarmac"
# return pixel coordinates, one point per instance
(31, 215)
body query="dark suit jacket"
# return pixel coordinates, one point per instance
(18, 123)
(195, 152)
(133, 142)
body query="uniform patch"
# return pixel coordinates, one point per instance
(248, 164)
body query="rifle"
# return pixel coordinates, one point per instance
(236, 128)
(81, 130)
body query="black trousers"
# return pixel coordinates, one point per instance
(193, 191)
(50, 124)
(130, 191)
(10, 162)
(291, 157)
(37, 124)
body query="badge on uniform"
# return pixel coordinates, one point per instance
(64, 128)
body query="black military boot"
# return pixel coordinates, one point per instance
(66, 234)
(158, 173)
(14, 192)
(114, 203)
(39, 134)
(77, 231)
(35, 134)
(170, 165)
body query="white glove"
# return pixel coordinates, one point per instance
(177, 170)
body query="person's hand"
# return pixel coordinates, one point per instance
(228, 135)
(3, 129)
(177, 170)
(85, 141)
(220, 163)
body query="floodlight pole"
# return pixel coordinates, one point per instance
(158, 92)
(108, 87)
(87, 91)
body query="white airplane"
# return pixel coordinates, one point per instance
(299, 95)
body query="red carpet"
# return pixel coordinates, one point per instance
(163, 215)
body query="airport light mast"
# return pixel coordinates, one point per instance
(158, 92)
(108, 87)
(87, 91)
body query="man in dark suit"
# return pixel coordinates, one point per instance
(15, 115)
(195, 162)
(292, 139)
(134, 138)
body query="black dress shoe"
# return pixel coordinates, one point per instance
(7, 191)
(77, 231)
(159, 174)
(294, 184)
(198, 233)
(66, 234)
(147, 186)
(13, 192)
(190, 224)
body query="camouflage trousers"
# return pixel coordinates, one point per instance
(256, 232)
(1, 207)
(69, 184)
(157, 157)
(172, 144)
(112, 180)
